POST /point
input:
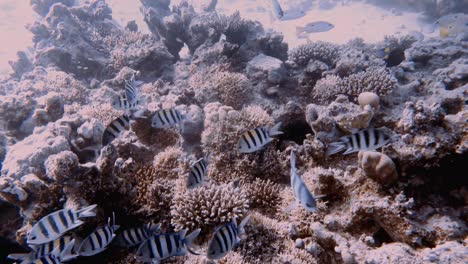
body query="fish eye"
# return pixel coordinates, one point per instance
(33, 237)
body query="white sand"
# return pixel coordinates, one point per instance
(351, 20)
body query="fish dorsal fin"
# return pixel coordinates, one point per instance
(182, 233)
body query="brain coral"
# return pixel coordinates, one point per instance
(208, 206)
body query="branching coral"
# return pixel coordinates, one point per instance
(319, 50)
(208, 206)
(263, 194)
(376, 80)
(166, 163)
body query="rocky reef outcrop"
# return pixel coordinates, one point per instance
(404, 203)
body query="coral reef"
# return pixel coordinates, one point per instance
(405, 203)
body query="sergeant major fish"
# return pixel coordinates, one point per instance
(114, 129)
(166, 118)
(366, 139)
(136, 235)
(197, 173)
(303, 196)
(98, 240)
(257, 138)
(225, 238)
(54, 225)
(314, 27)
(64, 244)
(162, 246)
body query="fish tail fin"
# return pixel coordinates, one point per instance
(18, 256)
(189, 241)
(299, 30)
(67, 252)
(87, 211)
(242, 225)
(275, 130)
(335, 147)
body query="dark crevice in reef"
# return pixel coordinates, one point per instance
(453, 105)
(450, 174)
(395, 57)
(295, 131)
(381, 236)
(454, 84)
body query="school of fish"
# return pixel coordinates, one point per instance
(51, 241)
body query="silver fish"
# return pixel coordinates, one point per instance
(162, 246)
(225, 238)
(97, 241)
(303, 196)
(131, 91)
(197, 173)
(114, 129)
(54, 225)
(136, 235)
(277, 11)
(48, 259)
(257, 138)
(314, 27)
(62, 248)
(122, 102)
(366, 139)
(166, 118)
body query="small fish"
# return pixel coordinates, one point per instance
(303, 196)
(131, 90)
(197, 173)
(162, 246)
(452, 24)
(136, 235)
(257, 138)
(114, 129)
(366, 139)
(64, 244)
(277, 11)
(383, 53)
(166, 118)
(121, 102)
(314, 27)
(54, 225)
(225, 238)
(98, 241)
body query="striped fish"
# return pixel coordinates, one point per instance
(303, 196)
(62, 248)
(122, 102)
(366, 139)
(255, 139)
(54, 225)
(136, 235)
(114, 129)
(131, 91)
(197, 173)
(162, 246)
(225, 238)
(48, 259)
(97, 241)
(166, 118)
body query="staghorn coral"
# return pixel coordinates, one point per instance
(208, 206)
(263, 194)
(319, 50)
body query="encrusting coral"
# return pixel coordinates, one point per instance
(404, 203)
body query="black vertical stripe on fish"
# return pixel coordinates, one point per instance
(165, 116)
(264, 133)
(251, 136)
(128, 236)
(246, 141)
(150, 245)
(371, 137)
(43, 229)
(157, 240)
(220, 243)
(178, 115)
(230, 233)
(177, 239)
(136, 236)
(198, 173)
(93, 246)
(161, 118)
(62, 243)
(121, 122)
(53, 224)
(223, 236)
(63, 218)
(168, 244)
(107, 234)
(367, 138)
(171, 112)
(257, 131)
